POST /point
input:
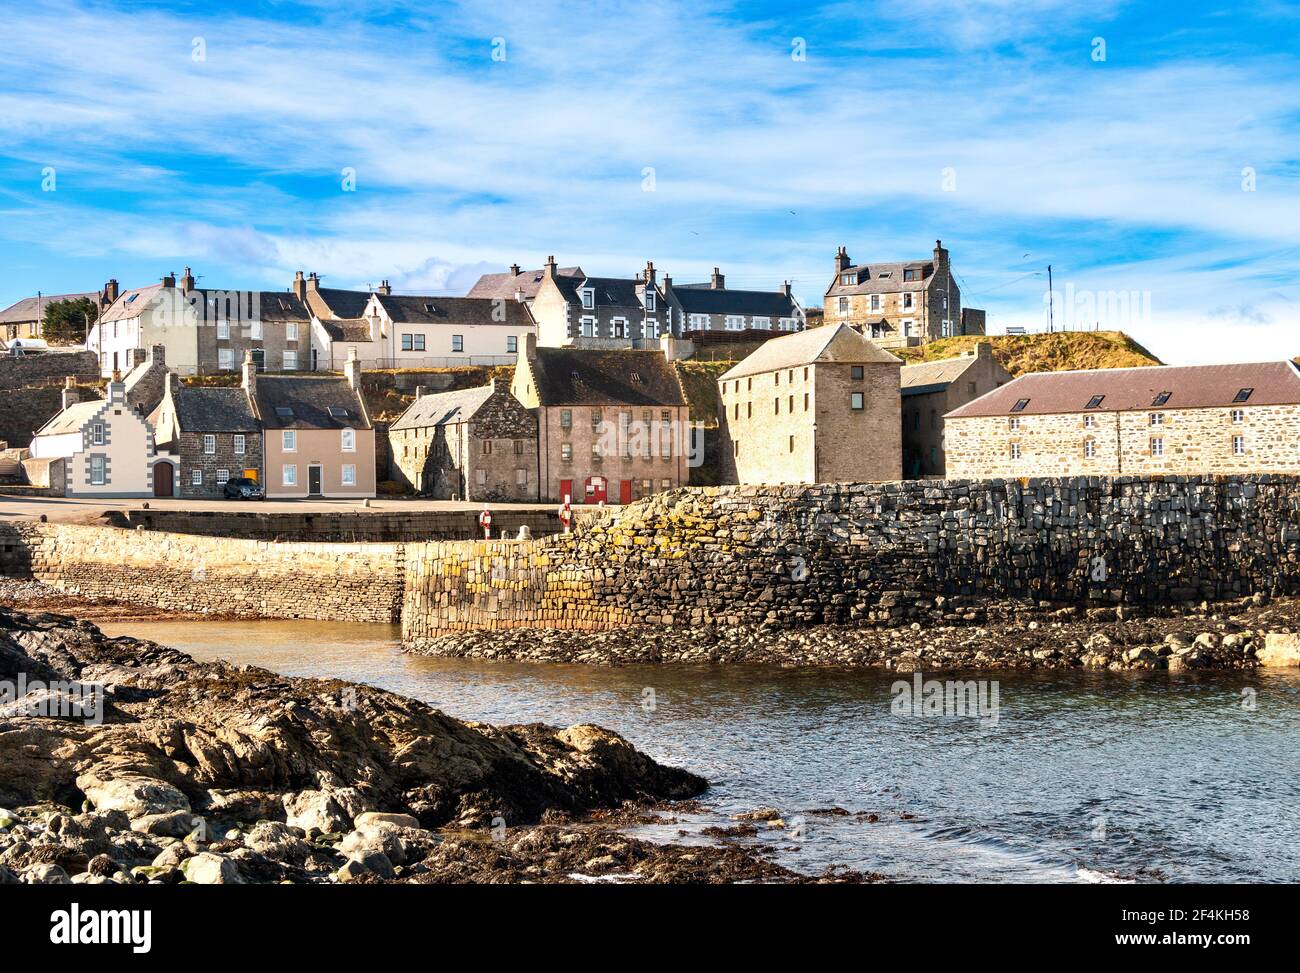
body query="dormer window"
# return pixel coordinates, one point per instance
(1243, 395)
(847, 279)
(649, 300)
(1095, 402)
(909, 275)
(588, 298)
(1162, 398)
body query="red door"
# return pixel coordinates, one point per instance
(566, 492)
(625, 492)
(162, 479)
(596, 487)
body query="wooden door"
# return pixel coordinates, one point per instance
(625, 492)
(162, 479)
(566, 491)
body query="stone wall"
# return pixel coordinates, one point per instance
(862, 553)
(24, 410)
(221, 576)
(52, 368)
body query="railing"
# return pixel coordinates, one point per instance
(413, 361)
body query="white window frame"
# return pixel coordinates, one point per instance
(734, 322)
(348, 440)
(458, 340)
(1238, 416)
(223, 329)
(240, 443)
(196, 477)
(1015, 451)
(1239, 445)
(1090, 449)
(255, 330)
(289, 361)
(98, 471)
(764, 324)
(223, 477)
(289, 475)
(226, 359)
(97, 434)
(1089, 422)
(291, 331)
(349, 474)
(649, 299)
(209, 444)
(512, 344)
(588, 299)
(289, 440)
(1157, 446)
(618, 327)
(875, 302)
(588, 326)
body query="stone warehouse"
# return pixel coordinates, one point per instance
(933, 389)
(820, 406)
(471, 444)
(1132, 421)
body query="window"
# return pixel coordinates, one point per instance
(588, 298)
(1157, 446)
(97, 470)
(1243, 396)
(875, 302)
(1095, 402)
(846, 279)
(196, 478)
(805, 402)
(1162, 398)
(349, 474)
(792, 444)
(1089, 422)
(239, 444)
(857, 372)
(290, 361)
(97, 434)
(289, 440)
(255, 330)
(408, 342)
(521, 477)
(291, 331)
(289, 475)
(700, 322)
(735, 322)
(223, 330)
(225, 359)
(619, 326)
(776, 406)
(1238, 445)
(566, 418)
(907, 299)
(209, 444)
(566, 452)
(650, 300)
(588, 327)
(1238, 416)
(222, 477)
(647, 487)
(1015, 451)
(1156, 419)
(348, 440)
(457, 342)
(512, 344)
(1013, 425)
(1089, 448)
(419, 342)
(844, 305)
(764, 324)
(1020, 405)
(595, 452)
(595, 420)
(519, 447)
(858, 403)
(909, 274)
(486, 448)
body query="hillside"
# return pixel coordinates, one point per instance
(1062, 351)
(700, 383)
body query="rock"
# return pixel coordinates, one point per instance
(1281, 650)
(138, 796)
(758, 814)
(46, 875)
(314, 809)
(7, 877)
(7, 819)
(277, 841)
(1140, 654)
(375, 818)
(374, 863)
(173, 824)
(206, 868)
(1207, 639)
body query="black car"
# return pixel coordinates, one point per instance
(243, 488)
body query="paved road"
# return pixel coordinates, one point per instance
(87, 510)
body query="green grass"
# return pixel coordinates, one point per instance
(1062, 351)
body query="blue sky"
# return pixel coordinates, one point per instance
(991, 124)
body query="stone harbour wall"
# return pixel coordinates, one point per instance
(861, 553)
(221, 576)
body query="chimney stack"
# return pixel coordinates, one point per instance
(514, 269)
(384, 288)
(169, 280)
(649, 273)
(71, 395)
(299, 286)
(313, 281)
(549, 269)
(668, 284)
(187, 280)
(717, 282)
(785, 289)
(111, 292)
(249, 380)
(940, 257)
(352, 370)
(842, 262)
(529, 349)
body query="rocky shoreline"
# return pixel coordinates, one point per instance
(209, 773)
(954, 635)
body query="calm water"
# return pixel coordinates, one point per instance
(1084, 777)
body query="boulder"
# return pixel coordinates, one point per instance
(206, 868)
(46, 875)
(1281, 650)
(376, 818)
(314, 809)
(374, 863)
(137, 796)
(275, 840)
(173, 824)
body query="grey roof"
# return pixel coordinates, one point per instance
(883, 278)
(26, 310)
(309, 400)
(346, 329)
(413, 309)
(608, 291)
(509, 284)
(707, 300)
(130, 303)
(71, 419)
(339, 303)
(578, 376)
(930, 374)
(200, 408)
(831, 343)
(443, 407)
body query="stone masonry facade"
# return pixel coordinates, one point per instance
(226, 458)
(1243, 440)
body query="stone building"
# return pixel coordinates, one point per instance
(25, 318)
(933, 389)
(599, 312)
(471, 444)
(612, 425)
(204, 330)
(317, 437)
(712, 306)
(815, 407)
(1132, 422)
(900, 303)
(212, 432)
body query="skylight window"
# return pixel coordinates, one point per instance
(1020, 405)
(636, 377)
(1243, 395)
(1095, 402)
(284, 412)
(338, 412)
(429, 308)
(1162, 398)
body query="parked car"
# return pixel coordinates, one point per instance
(243, 488)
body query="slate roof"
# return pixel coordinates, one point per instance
(333, 302)
(884, 278)
(609, 291)
(310, 399)
(574, 376)
(507, 284)
(442, 408)
(1135, 389)
(832, 343)
(270, 305)
(933, 376)
(346, 329)
(130, 303)
(71, 419)
(706, 300)
(409, 309)
(200, 408)
(25, 310)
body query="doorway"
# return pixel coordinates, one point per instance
(596, 489)
(625, 492)
(162, 480)
(313, 481)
